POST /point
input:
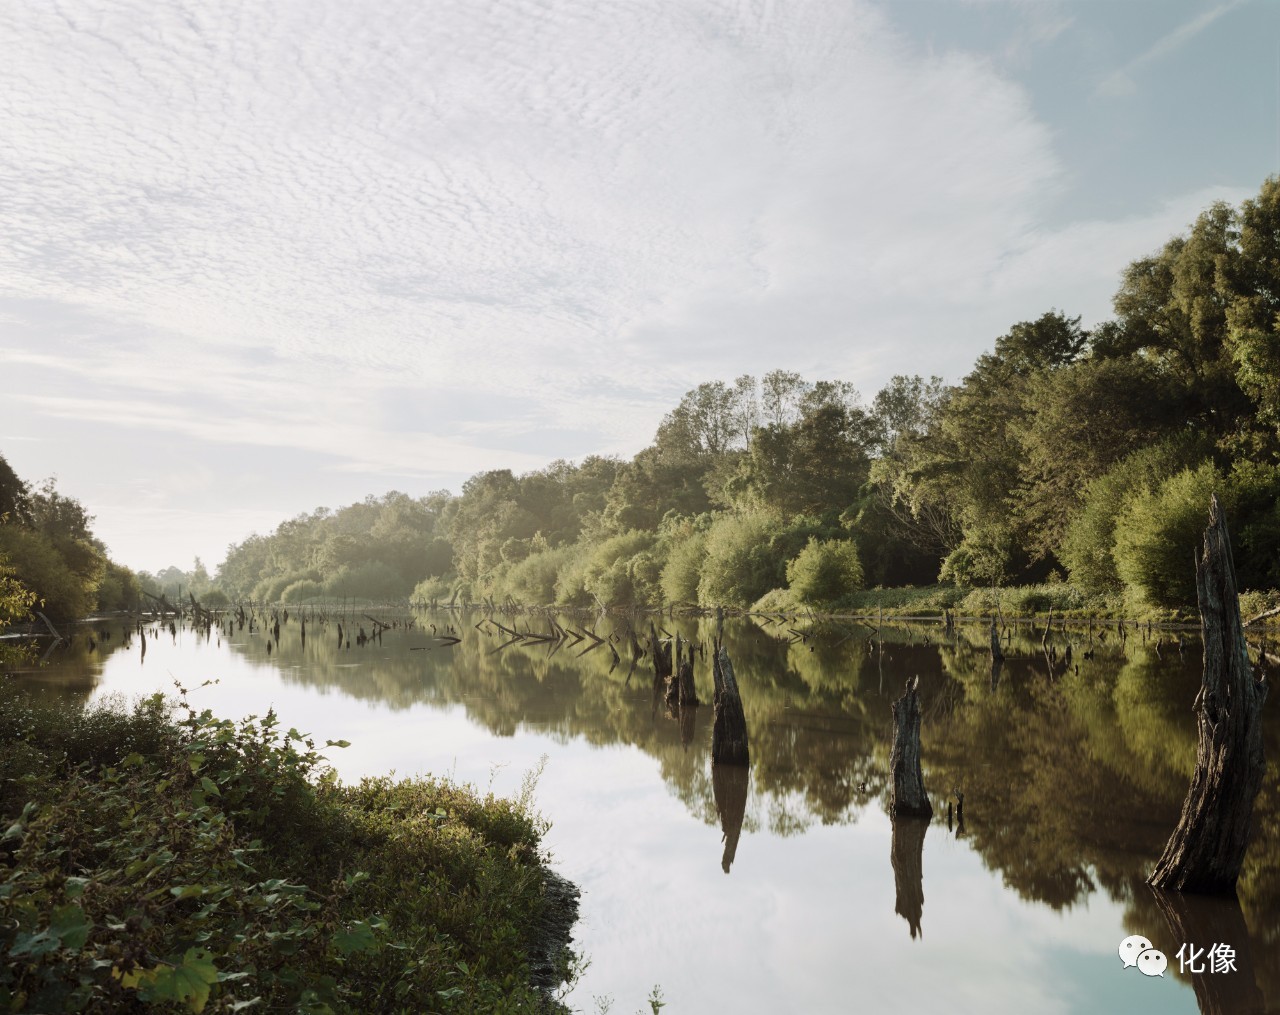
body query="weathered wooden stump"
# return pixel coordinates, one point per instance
(661, 655)
(996, 652)
(906, 853)
(729, 732)
(1206, 850)
(908, 793)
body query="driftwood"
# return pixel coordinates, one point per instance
(906, 852)
(729, 731)
(1207, 849)
(908, 793)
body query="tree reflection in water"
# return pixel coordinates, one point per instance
(1072, 780)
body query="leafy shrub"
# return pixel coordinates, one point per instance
(740, 564)
(825, 572)
(198, 864)
(371, 580)
(36, 561)
(1088, 545)
(436, 587)
(299, 592)
(533, 580)
(683, 569)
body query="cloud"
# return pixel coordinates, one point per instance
(408, 240)
(1121, 82)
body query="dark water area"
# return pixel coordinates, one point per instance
(785, 886)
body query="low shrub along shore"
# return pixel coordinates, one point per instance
(159, 858)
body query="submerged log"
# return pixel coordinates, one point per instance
(906, 852)
(908, 793)
(1207, 849)
(729, 732)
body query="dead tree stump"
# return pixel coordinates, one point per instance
(1206, 850)
(909, 796)
(729, 732)
(996, 652)
(661, 655)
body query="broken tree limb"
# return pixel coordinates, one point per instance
(1206, 850)
(908, 793)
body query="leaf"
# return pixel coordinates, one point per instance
(74, 887)
(186, 891)
(210, 786)
(195, 761)
(337, 743)
(71, 926)
(188, 982)
(358, 937)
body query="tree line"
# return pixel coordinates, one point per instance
(1081, 458)
(1066, 455)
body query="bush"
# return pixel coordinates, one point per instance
(1088, 545)
(299, 592)
(436, 587)
(740, 564)
(197, 864)
(683, 570)
(36, 562)
(824, 573)
(371, 580)
(1159, 532)
(533, 580)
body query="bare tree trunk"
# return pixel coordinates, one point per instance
(909, 796)
(1206, 850)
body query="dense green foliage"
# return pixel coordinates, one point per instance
(47, 549)
(1057, 453)
(184, 862)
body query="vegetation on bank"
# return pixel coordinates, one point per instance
(1073, 458)
(1074, 463)
(163, 858)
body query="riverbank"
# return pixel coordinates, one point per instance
(158, 855)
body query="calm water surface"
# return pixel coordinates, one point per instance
(786, 888)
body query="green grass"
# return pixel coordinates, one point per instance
(158, 858)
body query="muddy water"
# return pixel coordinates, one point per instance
(785, 887)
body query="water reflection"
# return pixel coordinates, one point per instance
(907, 856)
(1071, 756)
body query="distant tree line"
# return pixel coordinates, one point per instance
(1064, 455)
(50, 559)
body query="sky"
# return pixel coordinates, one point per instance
(261, 258)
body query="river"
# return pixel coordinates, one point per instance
(785, 887)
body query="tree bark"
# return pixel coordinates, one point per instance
(1207, 849)
(909, 796)
(729, 732)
